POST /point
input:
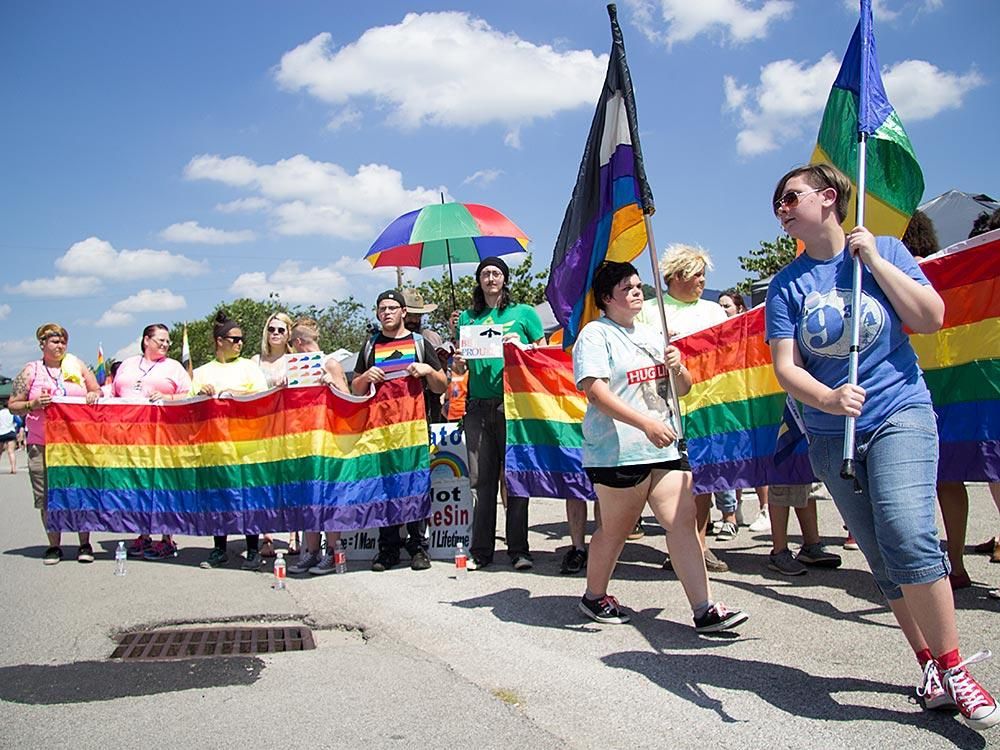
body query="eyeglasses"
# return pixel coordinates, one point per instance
(791, 198)
(234, 339)
(273, 329)
(161, 342)
(491, 273)
(389, 309)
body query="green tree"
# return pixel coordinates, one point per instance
(526, 287)
(766, 261)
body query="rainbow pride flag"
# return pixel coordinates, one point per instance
(961, 362)
(100, 372)
(735, 409)
(544, 411)
(396, 355)
(294, 458)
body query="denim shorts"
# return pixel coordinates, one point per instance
(725, 501)
(894, 517)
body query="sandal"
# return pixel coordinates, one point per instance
(267, 549)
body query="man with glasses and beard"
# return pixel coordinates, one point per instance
(391, 348)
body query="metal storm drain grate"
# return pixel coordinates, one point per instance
(154, 645)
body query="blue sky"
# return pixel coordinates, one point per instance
(160, 157)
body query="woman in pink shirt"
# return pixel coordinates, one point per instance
(154, 376)
(57, 373)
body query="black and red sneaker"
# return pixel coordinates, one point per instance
(604, 609)
(719, 617)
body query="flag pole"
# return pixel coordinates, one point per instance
(658, 286)
(847, 470)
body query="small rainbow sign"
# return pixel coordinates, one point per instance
(445, 464)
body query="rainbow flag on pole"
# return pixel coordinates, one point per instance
(544, 412)
(858, 103)
(294, 458)
(961, 362)
(100, 372)
(604, 218)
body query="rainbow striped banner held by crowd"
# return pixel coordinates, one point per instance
(544, 411)
(961, 362)
(292, 458)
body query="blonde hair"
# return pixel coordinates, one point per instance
(306, 329)
(50, 329)
(264, 349)
(687, 260)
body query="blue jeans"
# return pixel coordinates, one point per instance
(893, 518)
(725, 501)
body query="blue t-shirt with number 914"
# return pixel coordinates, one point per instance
(810, 301)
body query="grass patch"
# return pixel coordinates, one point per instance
(507, 696)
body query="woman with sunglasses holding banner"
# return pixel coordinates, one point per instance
(890, 507)
(229, 375)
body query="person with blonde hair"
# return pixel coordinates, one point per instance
(57, 373)
(683, 268)
(274, 345)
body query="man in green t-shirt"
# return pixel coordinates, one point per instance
(485, 425)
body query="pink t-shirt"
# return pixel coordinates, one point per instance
(138, 375)
(58, 384)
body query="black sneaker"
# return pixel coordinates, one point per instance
(254, 560)
(85, 554)
(384, 560)
(216, 559)
(719, 618)
(52, 556)
(605, 609)
(817, 556)
(574, 561)
(419, 560)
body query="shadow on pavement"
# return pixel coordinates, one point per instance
(788, 689)
(86, 681)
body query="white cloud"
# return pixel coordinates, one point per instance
(735, 20)
(243, 205)
(790, 96)
(96, 257)
(318, 285)
(192, 231)
(14, 353)
(880, 10)
(445, 69)
(482, 177)
(129, 350)
(314, 197)
(58, 286)
(4, 311)
(919, 90)
(345, 117)
(146, 300)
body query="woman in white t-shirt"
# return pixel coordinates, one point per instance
(630, 449)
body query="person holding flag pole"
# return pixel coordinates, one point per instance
(629, 373)
(881, 469)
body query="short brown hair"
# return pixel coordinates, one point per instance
(820, 176)
(306, 329)
(45, 330)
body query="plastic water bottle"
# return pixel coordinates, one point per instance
(120, 557)
(280, 570)
(339, 558)
(461, 562)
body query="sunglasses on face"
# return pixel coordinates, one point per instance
(791, 198)
(234, 339)
(274, 329)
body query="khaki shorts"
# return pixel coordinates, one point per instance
(36, 473)
(796, 495)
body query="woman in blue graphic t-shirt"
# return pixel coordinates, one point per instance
(893, 515)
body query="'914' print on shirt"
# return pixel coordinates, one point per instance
(825, 329)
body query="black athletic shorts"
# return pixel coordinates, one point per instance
(623, 477)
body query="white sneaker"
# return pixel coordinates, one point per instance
(930, 689)
(762, 522)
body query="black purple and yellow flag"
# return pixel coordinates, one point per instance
(604, 218)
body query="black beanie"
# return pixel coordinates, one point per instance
(493, 261)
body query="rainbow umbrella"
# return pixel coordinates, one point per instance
(446, 233)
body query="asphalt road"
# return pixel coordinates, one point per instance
(498, 659)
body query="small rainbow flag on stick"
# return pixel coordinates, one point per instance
(101, 373)
(396, 355)
(294, 458)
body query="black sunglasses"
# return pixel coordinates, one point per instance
(272, 329)
(234, 339)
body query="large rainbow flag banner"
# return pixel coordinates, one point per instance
(961, 362)
(735, 409)
(292, 458)
(544, 412)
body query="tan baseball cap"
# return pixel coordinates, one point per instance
(415, 302)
